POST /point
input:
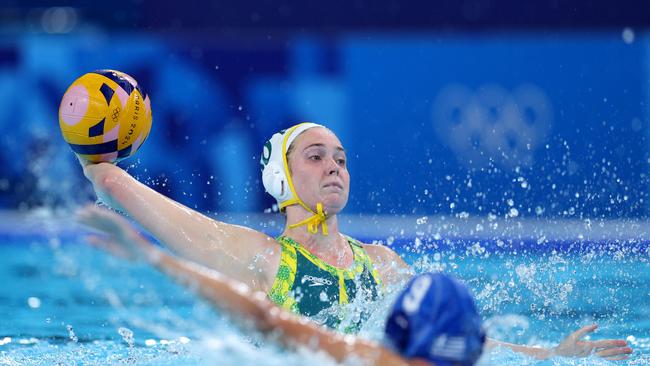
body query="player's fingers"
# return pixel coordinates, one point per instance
(614, 352)
(578, 334)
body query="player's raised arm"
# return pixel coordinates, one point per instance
(105, 117)
(230, 249)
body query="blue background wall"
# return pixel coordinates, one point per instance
(519, 123)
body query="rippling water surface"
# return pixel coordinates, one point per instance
(65, 303)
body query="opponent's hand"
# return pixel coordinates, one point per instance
(609, 349)
(120, 238)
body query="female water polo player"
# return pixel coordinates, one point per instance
(311, 269)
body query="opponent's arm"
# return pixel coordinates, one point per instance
(294, 330)
(230, 249)
(254, 309)
(573, 346)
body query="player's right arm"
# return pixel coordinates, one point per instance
(238, 252)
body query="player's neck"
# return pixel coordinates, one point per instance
(318, 242)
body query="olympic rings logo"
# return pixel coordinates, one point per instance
(492, 125)
(115, 115)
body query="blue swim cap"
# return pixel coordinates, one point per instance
(435, 318)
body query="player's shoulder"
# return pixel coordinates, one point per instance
(379, 251)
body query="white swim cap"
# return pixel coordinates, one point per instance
(277, 178)
(275, 168)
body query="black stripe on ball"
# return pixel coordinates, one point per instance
(124, 152)
(108, 92)
(103, 148)
(97, 129)
(119, 80)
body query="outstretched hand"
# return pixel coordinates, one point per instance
(609, 349)
(119, 237)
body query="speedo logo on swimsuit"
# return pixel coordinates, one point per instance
(316, 281)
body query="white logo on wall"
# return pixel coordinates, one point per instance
(492, 124)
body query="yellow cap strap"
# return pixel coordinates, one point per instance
(313, 222)
(285, 162)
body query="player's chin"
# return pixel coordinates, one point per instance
(334, 203)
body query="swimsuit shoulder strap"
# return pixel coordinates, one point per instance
(286, 275)
(361, 255)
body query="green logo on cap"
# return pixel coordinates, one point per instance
(266, 154)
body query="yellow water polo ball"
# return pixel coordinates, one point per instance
(105, 116)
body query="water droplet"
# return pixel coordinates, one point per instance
(418, 243)
(323, 297)
(34, 302)
(631, 338)
(71, 335)
(127, 335)
(476, 249)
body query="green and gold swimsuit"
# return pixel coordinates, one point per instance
(311, 287)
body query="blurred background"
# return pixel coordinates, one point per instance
(504, 142)
(482, 108)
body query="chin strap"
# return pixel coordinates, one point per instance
(318, 219)
(319, 216)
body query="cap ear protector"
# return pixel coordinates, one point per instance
(273, 177)
(275, 168)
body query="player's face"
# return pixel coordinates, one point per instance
(319, 169)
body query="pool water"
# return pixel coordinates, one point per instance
(66, 303)
(539, 297)
(71, 304)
